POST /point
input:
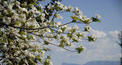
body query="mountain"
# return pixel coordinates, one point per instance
(69, 64)
(97, 63)
(103, 63)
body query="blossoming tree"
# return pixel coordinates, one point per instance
(27, 29)
(120, 44)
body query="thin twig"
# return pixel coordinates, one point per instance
(62, 48)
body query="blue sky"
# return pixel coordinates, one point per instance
(105, 48)
(109, 10)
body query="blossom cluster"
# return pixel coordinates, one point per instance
(26, 28)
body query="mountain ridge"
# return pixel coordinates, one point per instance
(103, 63)
(97, 63)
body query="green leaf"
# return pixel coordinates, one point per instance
(30, 37)
(17, 23)
(38, 58)
(39, 8)
(1, 40)
(21, 37)
(10, 63)
(87, 21)
(95, 19)
(61, 45)
(86, 29)
(46, 43)
(23, 5)
(1, 16)
(72, 30)
(75, 18)
(1, 32)
(48, 57)
(31, 26)
(31, 62)
(79, 35)
(69, 35)
(22, 33)
(47, 62)
(46, 49)
(40, 51)
(55, 36)
(74, 40)
(34, 50)
(91, 39)
(10, 40)
(79, 49)
(51, 30)
(63, 29)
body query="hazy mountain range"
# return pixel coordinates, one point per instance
(69, 64)
(97, 63)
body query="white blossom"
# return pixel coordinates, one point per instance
(7, 20)
(40, 5)
(12, 0)
(77, 11)
(88, 28)
(46, 12)
(58, 3)
(61, 6)
(98, 16)
(23, 9)
(17, 3)
(18, 59)
(5, 3)
(48, 30)
(93, 37)
(42, 16)
(5, 46)
(70, 8)
(65, 8)
(58, 16)
(10, 5)
(50, 7)
(76, 27)
(32, 22)
(18, 52)
(31, 55)
(58, 23)
(88, 20)
(58, 37)
(60, 30)
(81, 17)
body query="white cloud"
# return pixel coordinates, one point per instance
(98, 34)
(114, 34)
(104, 48)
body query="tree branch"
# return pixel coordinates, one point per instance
(26, 28)
(36, 28)
(70, 23)
(62, 48)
